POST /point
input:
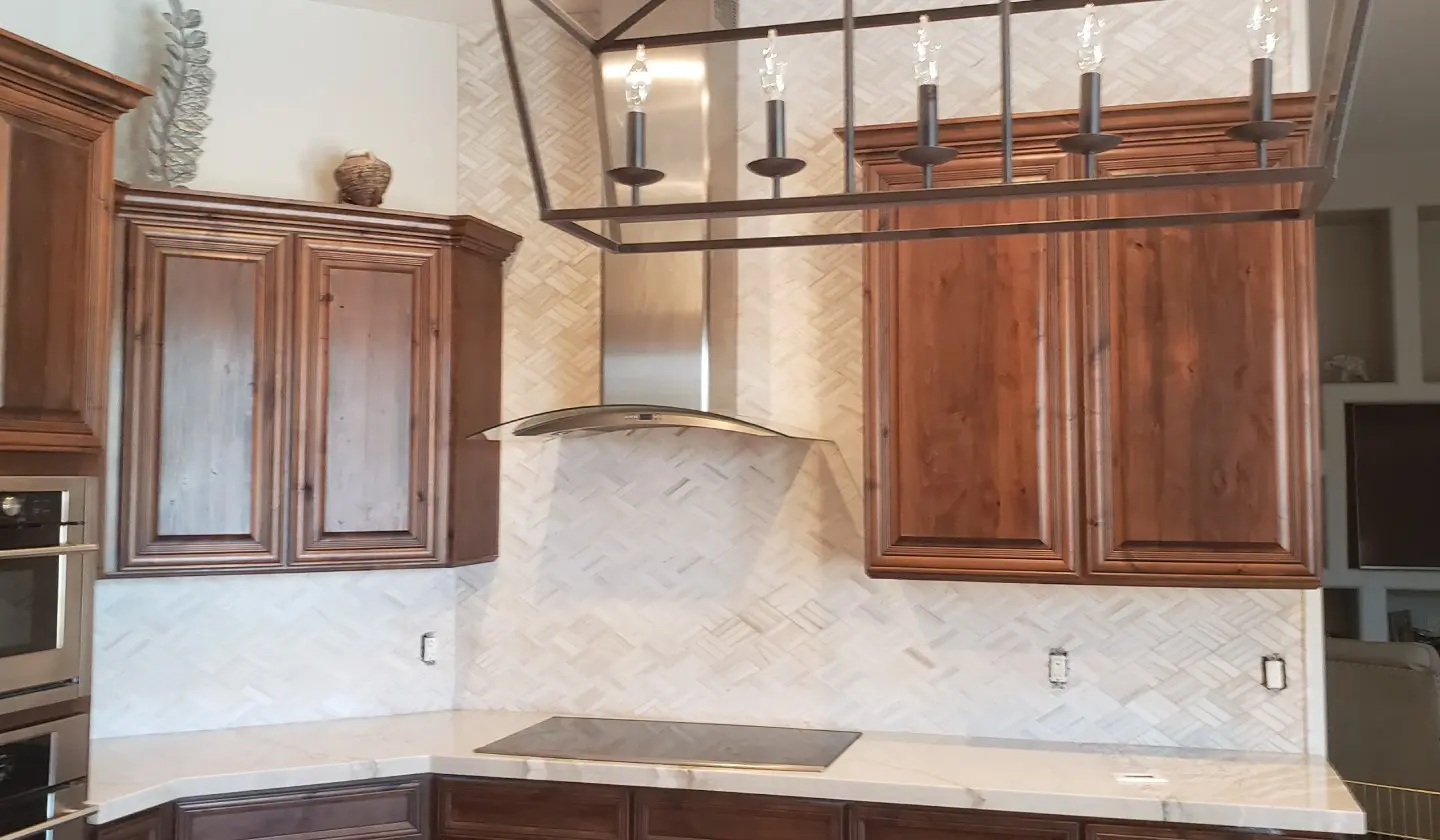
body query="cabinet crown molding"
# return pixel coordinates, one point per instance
(314, 218)
(58, 77)
(1193, 120)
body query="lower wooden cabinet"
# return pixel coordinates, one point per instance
(884, 822)
(697, 815)
(1166, 832)
(501, 809)
(154, 824)
(300, 384)
(384, 811)
(491, 809)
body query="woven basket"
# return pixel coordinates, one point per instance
(362, 179)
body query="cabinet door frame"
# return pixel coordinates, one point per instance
(141, 547)
(423, 543)
(81, 429)
(1057, 559)
(1292, 562)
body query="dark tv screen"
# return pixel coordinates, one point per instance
(1394, 485)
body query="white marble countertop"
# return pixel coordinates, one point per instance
(1253, 790)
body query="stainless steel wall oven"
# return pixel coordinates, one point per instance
(47, 571)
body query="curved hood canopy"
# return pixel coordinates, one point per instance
(668, 322)
(599, 419)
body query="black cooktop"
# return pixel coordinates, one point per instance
(672, 742)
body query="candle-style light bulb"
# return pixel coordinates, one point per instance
(1263, 28)
(772, 75)
(926, 53)
(1089, 140)
(635, 174)
(1092, 47)
(637, 81)
(927, 152)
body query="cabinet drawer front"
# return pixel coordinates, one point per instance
(204, 412)
(691, 815)
(882, 822)
(507, 810)
(1179, 832)
(971, 386)
(1205, 441)
(389, 811)
(370, 435)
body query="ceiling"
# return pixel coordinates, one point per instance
(1393, 103)
(1399, 84)
(453, 11)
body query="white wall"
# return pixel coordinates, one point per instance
(298, 84)
(698, 575)
(691, 576)
(1400, 183)
(177, 654)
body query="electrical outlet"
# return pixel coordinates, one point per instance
(1059, 667)
(429, 647)
(1272, 672)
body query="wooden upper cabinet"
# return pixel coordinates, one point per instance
(56, 156)
(1202, 344)
(367, 420)
(1123, 407)
(972, 387)
(206, 431)
(289, 397)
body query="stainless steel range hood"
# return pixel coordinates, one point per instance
(667, 321)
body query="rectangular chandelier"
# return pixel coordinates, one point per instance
(1314, 174)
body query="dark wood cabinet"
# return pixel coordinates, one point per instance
(389, 810)
(57, 120)
(205, 427)
(1129, 407)
(290, 400)
(495, 809)
(973, 387)
(154, 824)
(702, 815)
(367, 418)
(889, 822)
(468, 808)
(1170, 832)
(1203, 383)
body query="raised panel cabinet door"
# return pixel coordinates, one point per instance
(706, 815)
(971, 388)
(153, 824)
(204, 421)
(1201, 396)
(369, 432)
(385, 810)
(1173, 831)
(501, 809)
(54, 283)
(898, 822)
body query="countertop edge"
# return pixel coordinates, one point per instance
(803, 785)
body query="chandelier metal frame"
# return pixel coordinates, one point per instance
(1315, 174)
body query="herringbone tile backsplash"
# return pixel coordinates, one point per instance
(717, 578)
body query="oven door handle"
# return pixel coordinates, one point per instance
(47, 551)
(53, 822)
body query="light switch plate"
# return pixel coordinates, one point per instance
(1059, 667)
(429, 647)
